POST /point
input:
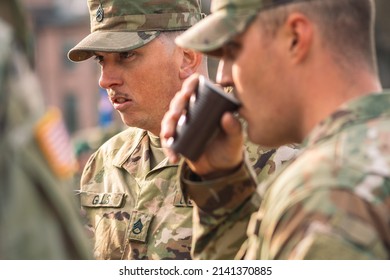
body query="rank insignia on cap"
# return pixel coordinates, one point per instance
(53, 139)
(100, 13)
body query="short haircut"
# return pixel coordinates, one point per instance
(347, 26)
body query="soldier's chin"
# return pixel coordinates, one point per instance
(124, 119)
(128, 120)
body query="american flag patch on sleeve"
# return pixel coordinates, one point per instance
(54, 141)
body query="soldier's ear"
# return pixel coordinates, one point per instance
(299, 36)
(190, 63)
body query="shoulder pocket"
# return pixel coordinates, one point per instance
(110, 200)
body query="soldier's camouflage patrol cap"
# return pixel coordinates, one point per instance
(123, 25)
(227, 19)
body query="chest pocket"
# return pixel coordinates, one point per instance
(139, 222)
(98, 200)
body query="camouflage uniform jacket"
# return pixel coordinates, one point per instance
(133, 201)
(331, 202)
(38, 213)
(133, 205)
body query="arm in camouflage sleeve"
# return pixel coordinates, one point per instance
(327, 223)
(223, 207)
(221, 212)
(328, 209)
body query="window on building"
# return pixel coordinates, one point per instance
(70, 112)
(66, 46)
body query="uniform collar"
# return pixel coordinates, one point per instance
(132, 140)
(353, 112)
(136, 142)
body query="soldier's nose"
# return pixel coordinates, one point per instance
(109, 78)
(224, 73)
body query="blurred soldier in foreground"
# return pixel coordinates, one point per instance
(38, 215)
(313, 63)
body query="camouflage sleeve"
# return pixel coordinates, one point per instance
(223, 207)
(322, 208)
(326, 224)
(221, 212)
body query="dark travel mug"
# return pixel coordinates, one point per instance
(201, 122)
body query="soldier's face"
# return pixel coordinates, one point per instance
(255, 63)
(140, 83)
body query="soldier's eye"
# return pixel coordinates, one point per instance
(126, 55)
(231, 50)
(98, 58)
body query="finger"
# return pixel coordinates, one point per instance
(172, 156)
(179, 102)
(168, 125)
(166, 136)
(177, 107)
(189, 85)
(231, 125)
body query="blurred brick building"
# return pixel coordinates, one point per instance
(59, 24)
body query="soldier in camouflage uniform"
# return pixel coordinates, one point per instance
(38, 216)
(133, 203)
(332, 200)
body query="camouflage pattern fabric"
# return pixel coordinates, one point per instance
(86, 141)
(123, 25)
(227, 19)
(223, 207)
(133, 201)
(38, 216)
(331, 202)
(143, 15)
